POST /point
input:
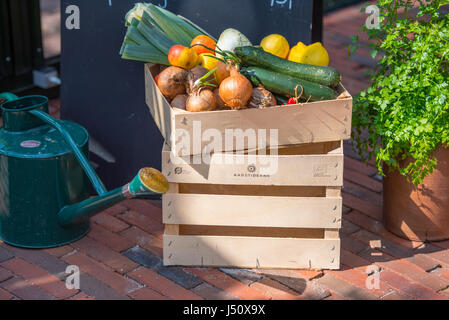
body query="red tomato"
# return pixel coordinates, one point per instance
(291, 101)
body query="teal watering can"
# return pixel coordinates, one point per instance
(44, 175)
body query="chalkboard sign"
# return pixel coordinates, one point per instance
(106, 94)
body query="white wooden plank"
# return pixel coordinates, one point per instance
(251, 252)
(253, 211)
(231, 168)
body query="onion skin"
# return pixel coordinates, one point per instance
(222, 72)
(220, 103)
(236, 91)
(198, 72)
(262, 98)
(180, 101)
(202, 100)
(172, 82)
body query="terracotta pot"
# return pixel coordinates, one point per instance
(418, 213)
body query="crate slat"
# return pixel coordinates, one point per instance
(256, 211)
(240, 169)
(251, 252)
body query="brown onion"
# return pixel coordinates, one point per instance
(197, 73)
(236, 90)
(220, 103)
(201, 100)
(180, 101)
(172, 82)
(262, 98)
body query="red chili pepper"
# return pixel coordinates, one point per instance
(291, 101)
(156, 78)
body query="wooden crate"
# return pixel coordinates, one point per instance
(296, 124)
(230, 215)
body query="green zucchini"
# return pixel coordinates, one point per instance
(286, 85)
(281, 100)
(257, 57)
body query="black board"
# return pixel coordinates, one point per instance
(106, 94)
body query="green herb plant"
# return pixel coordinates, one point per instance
(406, 109)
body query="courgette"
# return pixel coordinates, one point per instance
(286, 85)
(281, 100)
(257, 57)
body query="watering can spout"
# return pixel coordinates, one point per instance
(148, 181)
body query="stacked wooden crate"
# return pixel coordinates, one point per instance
(276, 207)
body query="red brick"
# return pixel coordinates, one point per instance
(230, 285)
(295, 281)
(441, 272)
(367, 208)
(352, 244)
(144, 222)
(378, 227)
(441, 256)
(162, 285)
(275, 290)
(362, 193)
(363, 180)
(145, 207)
(59, 251)
(408, 287)
(147, 294)
(441, 244)
(395, 250)
(348, 227)
(25, 290)
(416, 274)
(344, 288)
(115, 210)
(101, 272)
(5, 295)
(143, 240)
(4, 274)
(394, 295)
(359, 278)
(112, 240)
(82, 296)
(309, 274)
(335, 296)
(110, 222)
(354, 261)
(209, 292)
(105, 255)
(39, 277)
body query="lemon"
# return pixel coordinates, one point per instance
(314, 54)
(276, 44)
(205, 60)
(296, 53)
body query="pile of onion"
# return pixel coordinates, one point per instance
(201, 97)
(236, 90)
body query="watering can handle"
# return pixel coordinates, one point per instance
(8, 96)
(90, 172)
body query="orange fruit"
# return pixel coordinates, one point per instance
(204, 40)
